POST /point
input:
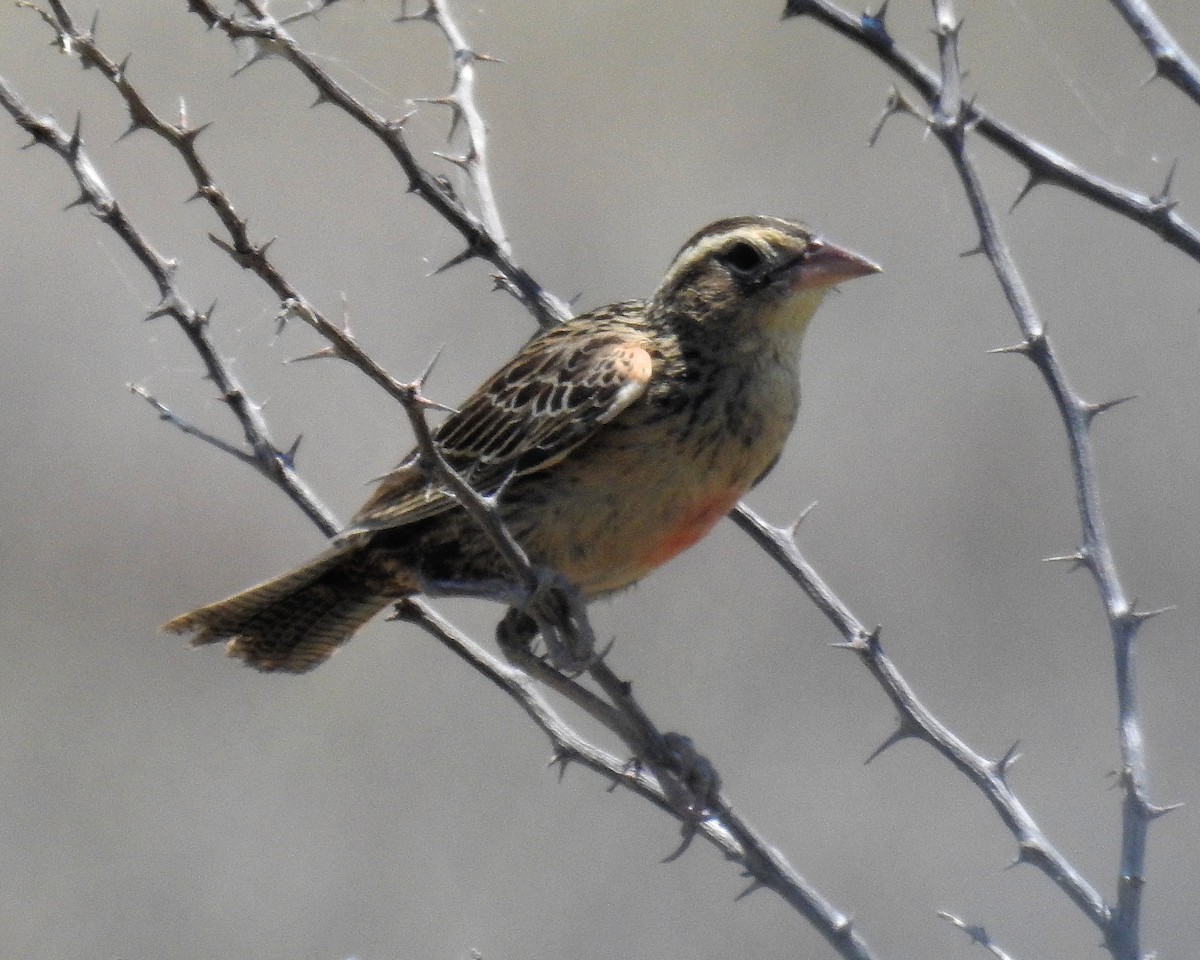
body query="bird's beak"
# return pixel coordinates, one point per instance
(826, 264)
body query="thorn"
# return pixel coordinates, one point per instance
(864, 644)
(896, 103)
(904, 731)
(1027, 852)
(688, 831)
(754, 887)
(434, 405)
(485, 57)
(1023, 347)
(1138, 617)
(974, 251)
(325, 353)
(1077, 559)
(80, 201)
(501, 282)
(1001, 767)
(463, 161)
(191, 134)
(1162, 208)
(224, 245)
(419, 382)
(975, 931)
(875, 23)
(92, 28)
(288, 456)
(206, 316)
(454, 261)
(398, 125)
(164, 309)
(793, 528)
(1035, 180)
(562, 758)
(1153, 811)
(1165, 192)
(134, 126)
(449, 100)
(76, 142)
(1092, 410)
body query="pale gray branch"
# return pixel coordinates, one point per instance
(917, 721)
(1155, 212)
(463, 110)
(270, 459)
(1170, 59)
(271, 39)
(952, 121)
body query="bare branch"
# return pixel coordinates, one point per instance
(1044, 164)
(977, 934)
(1170, 59)
(268, 457)
(271, 39)
(951, 121)
(918, 721)
(461, 103)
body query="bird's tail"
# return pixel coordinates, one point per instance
(296, 621)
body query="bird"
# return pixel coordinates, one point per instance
(610, 443)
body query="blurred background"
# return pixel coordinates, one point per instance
(160, 802)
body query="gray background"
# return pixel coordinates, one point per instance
(157, 802)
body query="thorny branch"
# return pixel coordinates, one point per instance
(977, 934)
(690, 795)
(486, 241)
(270, 459)
(1170, 59)
(463, 110)
(951, 121)
(1046, 166)
(272, 40)
(918, 722)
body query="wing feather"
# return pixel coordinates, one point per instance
(534, 411)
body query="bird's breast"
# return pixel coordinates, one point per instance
(656, 480)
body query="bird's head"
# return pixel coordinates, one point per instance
(755, 275)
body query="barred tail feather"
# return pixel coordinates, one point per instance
(294, 622)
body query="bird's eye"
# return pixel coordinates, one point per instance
(742, 257)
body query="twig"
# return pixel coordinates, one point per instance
(917, 721)
(1046, 166)
(269, 459)
(977, 934)
(951, 122)
(182, 137)
(272, 40)
(461, 101)
(1170, 59)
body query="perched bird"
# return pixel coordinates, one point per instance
(616, 439)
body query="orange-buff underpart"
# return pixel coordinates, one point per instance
(693, 525)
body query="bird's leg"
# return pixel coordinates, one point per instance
(560, 612)
(551, 606)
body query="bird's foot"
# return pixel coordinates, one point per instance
(554, 608)
(688, 779)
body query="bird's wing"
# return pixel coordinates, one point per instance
(539, 407)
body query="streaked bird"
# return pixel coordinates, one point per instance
(617, 440)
